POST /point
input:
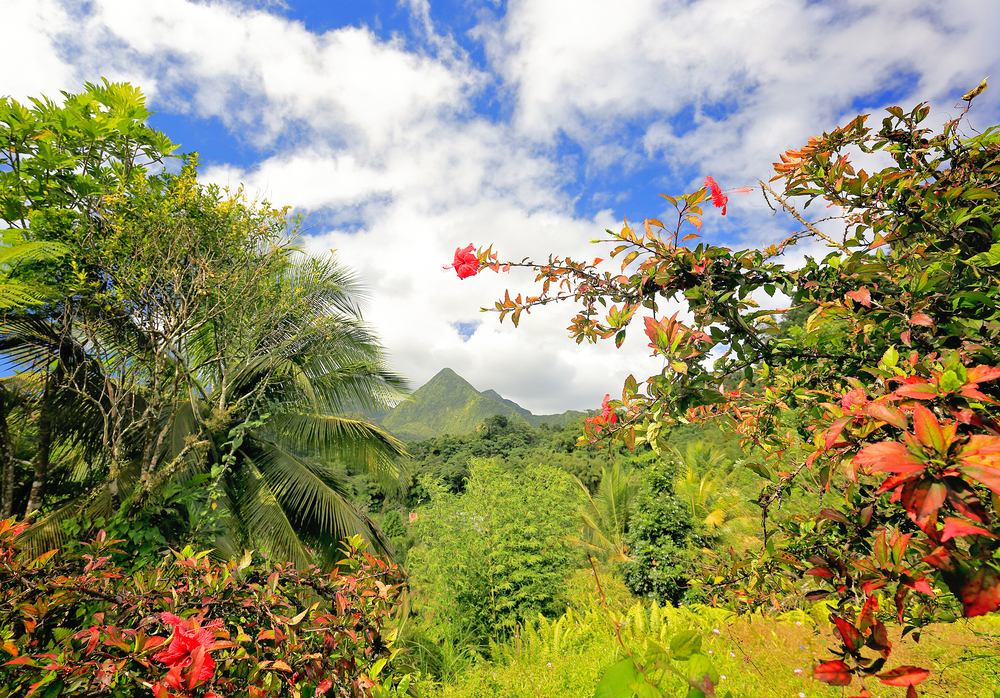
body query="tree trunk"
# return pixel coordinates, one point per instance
(41, 475)
(7, 455)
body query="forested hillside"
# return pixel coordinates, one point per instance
(448, 404)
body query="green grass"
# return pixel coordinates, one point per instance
(759, 656)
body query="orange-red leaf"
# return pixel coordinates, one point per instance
(922, 319)
(918, 391)
(889, 456)
(868, 611)
(980, 374)
(904, 676)
(980, 460)
(861, 296)
(956, 527)
(921, 498)
(834, 673)
(927, 428)
(890, 415)
(836, 428)
(941, 559)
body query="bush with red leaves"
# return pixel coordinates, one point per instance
(81, 626)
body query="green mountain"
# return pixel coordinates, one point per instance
(448, 404)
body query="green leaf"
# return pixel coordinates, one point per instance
(616, 680)
(684, 644)
(644, 689)
(701, 671)
(986, 259)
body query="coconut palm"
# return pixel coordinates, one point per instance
(222, 360)
(605, 514)
(706, 490)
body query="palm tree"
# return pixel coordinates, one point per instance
(605, 514)
(706, 490)
(222, 360)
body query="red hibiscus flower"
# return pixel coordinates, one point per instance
(609, 416)
(187, 656)
(466, 262)
(718, 198)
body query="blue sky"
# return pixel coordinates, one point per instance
(405, 129)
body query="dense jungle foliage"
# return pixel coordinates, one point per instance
(191, 505)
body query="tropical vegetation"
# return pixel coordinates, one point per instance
(886, 395)
(202, 493)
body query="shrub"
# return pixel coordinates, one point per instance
(663, 539)
(78, 625)
(498, 554)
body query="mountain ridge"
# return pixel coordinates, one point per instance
(449, 404)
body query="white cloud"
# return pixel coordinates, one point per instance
(34, 63)
(773, 71)
(381, 140)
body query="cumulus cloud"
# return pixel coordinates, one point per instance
(404, 148)
(745, 78)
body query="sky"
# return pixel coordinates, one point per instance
(404, 130)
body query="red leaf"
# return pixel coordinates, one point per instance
(927, 428)
(917, 391)
(921, 498)
(973, 394)
(836, 427)
(834, 673)
(904, 337)
(851, 636)
(821, 572)
(981, 592)
(879, 639)
(980, 460)
(921, 319)
(324, 686)
(956, 527)
(980, 374)
(27, 661)
(873, 585)
(941, 559)
(868, 611)
(904, 676)
(965, 500)
(834, 515)
(920, 584)
(890, 456)
(900, 598)
(861, 296)
(890, 415)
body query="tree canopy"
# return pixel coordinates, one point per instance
(185, 346)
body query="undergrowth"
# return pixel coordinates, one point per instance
(758, 656)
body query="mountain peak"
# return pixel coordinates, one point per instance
(449, 404)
